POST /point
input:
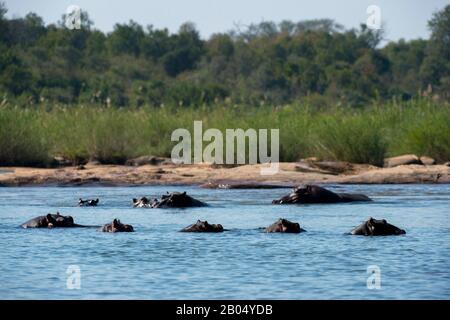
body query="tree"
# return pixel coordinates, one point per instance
(126, 38)
(436, 65)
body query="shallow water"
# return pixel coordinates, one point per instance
(157, 262)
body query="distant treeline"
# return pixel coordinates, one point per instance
(266, 63)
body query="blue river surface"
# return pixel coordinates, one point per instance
(158, 262)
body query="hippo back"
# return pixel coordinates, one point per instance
(316, 194)
(178, 200)
(38, 222)
(350, 197)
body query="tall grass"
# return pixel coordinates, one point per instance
(111, 135)
(23, 140)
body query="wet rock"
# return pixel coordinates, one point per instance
(406, 159)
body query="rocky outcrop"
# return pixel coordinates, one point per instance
(406, 159)
(428, 161)
(241, 177)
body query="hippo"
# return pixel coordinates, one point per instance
(374, 227)
(203, 226)
(142, 203)
(285, 226)
(117, 226)
(316, 194)
(88, 203)
(51, 221)
(169, 200)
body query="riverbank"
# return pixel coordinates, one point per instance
(213, 176)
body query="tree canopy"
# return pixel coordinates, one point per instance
(264, 63)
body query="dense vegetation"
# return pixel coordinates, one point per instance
(112, 135)
(333, 93)
(266, 63)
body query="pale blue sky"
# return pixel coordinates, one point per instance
(402, 18)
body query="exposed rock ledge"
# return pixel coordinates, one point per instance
(246, 176)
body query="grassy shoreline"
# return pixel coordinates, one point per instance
(33, 136)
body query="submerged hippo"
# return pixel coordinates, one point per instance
(316, 194)
(286, 226)
(88, 203)
(374, 227)
(169, 200)
(51, 221)
(143, 202)
(117, 226)
(203, 226)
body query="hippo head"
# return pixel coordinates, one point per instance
(284, 226)
(303, 190)
(117, 226)
(381, 228)
(59, 220)
(141, 201)
(204, 225)
(288, 226)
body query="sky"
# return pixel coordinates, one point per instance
(400, 18)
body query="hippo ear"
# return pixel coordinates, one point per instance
(115, 223)
(384, 221)
(134, 200)
(184, 193)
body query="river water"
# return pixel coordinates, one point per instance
(158, 262)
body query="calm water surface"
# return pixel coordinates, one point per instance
(157, 262)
